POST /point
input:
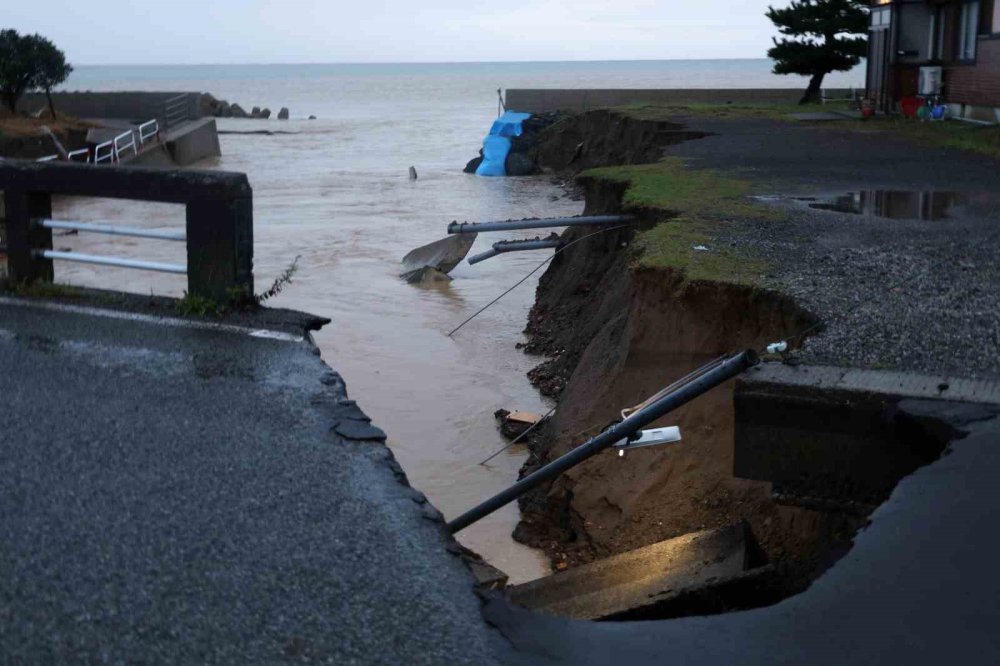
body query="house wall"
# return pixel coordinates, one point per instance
(980, 83)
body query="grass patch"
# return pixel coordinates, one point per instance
(40, 289)
(702, 205)
(956, 134)
(673, 243)
(669, 185)
(724, 111)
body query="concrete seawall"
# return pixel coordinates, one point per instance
(138, 106)
(541, 100)
(193, 141)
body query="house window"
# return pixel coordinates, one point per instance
(881, 18)
(935, 40)
(968, 27)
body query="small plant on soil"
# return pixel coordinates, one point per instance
(279, 283)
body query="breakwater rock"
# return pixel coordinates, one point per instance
(208, 105)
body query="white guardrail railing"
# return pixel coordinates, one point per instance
(148, 130)
(123, 142)
(121, 262)
(114, 150)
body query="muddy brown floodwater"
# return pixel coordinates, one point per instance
(351, 214)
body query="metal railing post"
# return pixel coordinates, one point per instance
(24, 238)
(719, 373)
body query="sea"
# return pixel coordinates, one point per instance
(333, 195)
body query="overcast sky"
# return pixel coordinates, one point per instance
(325, 31)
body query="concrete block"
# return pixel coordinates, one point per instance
(194, 141)
(639, 578)
(838, 433)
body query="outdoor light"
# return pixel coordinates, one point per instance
(651, 437)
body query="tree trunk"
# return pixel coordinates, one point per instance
(814, 90)
(52, 108)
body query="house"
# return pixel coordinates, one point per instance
(949, 48)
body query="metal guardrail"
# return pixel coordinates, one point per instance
(175, 110)
(218, 232)
(113, 230)
(114, 150)
(500, 247)
(148, 130)
(119, 262)
(108, 155)
(852, 97)
(123, 142)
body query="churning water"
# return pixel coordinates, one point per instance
(335, 192)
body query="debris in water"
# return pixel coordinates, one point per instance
(413, 173)
(700, 248)
(427, 275)
(514, 424)
(442, 255)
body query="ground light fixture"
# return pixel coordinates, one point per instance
(651, 437)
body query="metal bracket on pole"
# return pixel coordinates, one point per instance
(500, 247)
(651, 437)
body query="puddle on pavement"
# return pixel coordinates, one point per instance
(891, 204)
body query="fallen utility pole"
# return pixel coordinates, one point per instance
(513, 225)
(501, 247)
(723, 371)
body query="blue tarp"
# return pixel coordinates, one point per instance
(496, 145)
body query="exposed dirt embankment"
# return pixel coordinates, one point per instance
(615, 333)
(24, 138)
(601, 138)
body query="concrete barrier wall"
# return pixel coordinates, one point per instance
(193, 142)
(134, 106)
(541, 100)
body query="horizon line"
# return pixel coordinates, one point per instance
(405, 62)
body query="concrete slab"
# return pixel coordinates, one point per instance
(643, 577)
(888, 382)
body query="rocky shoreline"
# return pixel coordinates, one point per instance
(220, 108)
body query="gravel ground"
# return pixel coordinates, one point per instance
(892, 293)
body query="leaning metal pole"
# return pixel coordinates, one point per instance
(727, 369)
(517, 246)
(512, 225)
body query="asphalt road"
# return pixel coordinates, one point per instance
(186, 495)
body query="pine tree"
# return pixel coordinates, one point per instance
(823, 36)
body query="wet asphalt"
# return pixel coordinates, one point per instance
(176, 495)
(902, 294)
